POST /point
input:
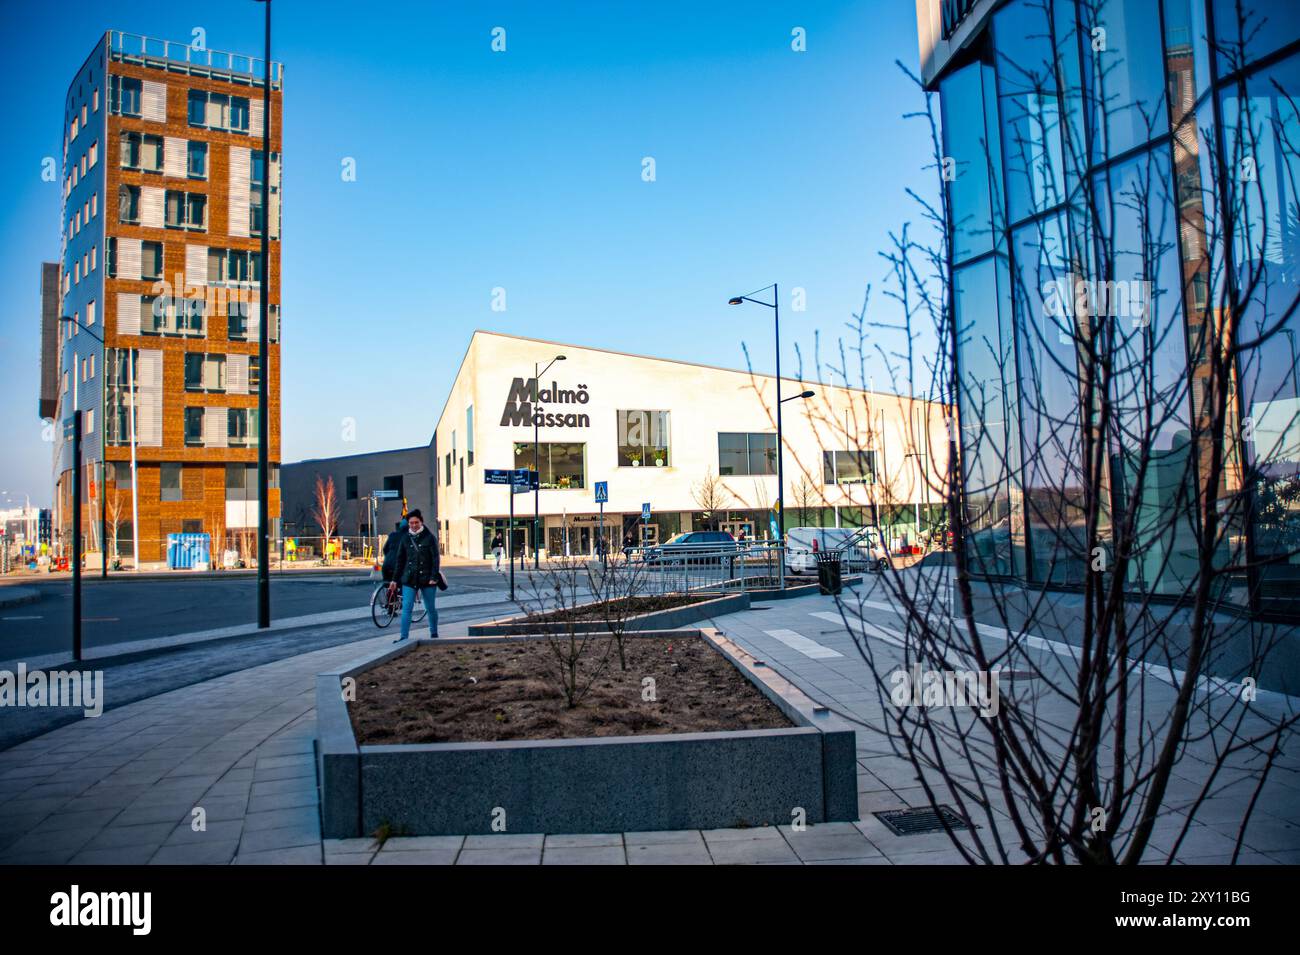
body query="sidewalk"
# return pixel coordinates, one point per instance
(124, 788)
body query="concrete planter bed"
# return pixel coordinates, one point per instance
(595, 784)
(705, 609)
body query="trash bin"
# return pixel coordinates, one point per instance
(830, 575)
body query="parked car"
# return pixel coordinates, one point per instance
(704, 544)
(803, 544)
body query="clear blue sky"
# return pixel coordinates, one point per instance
(520, 170)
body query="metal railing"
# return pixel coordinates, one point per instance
(721, 568)
(186, 58)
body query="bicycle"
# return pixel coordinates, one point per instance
(384, 608)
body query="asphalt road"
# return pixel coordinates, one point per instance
(116, 611)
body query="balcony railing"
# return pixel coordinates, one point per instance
(185, 58)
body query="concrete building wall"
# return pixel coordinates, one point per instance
(701, 402)
(367, 473)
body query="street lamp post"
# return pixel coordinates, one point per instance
(263, 361)
(775, 306)
(537, 464)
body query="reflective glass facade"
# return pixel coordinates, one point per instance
(1116, 171)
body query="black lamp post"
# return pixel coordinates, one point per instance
(775, 306)
(263, 360)
(537, 464)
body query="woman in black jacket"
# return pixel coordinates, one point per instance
(417, 570)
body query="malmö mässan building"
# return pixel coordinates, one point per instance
(694, 442)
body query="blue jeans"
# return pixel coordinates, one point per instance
(428, 595)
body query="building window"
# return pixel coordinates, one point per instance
(110, 256)
(205, 372)
(393, 482)
(241, 482)
(190, 526)
(643, 438)
(197, 160)
(350, 487)
(563, 466)
(218, 111)
(141, 151)
(194, 427)
(186, 210)
(128, 205)
(848, 467)
(741, 453)
(241, 428)
(254, 373)
(151, 260)
(170, 474)
(234, 267)
(124, 93)
(469, 435)
(462, 475)
(257, 188)
(446, 469)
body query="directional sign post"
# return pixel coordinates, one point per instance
(521, 481)
(602, 496)
(645, 519)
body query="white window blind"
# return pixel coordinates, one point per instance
(240, 173)
(128, 308)
(151, 206)
(256, 116)
(149, 388)
(128, 260)
(216, 427)
(153, 101)
(196, 265)
(237, 374)
(176, 157)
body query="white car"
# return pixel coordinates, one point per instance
(804, 544)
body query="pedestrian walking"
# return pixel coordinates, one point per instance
(418, 571)
(498, 549)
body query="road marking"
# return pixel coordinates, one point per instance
(868, 628)
(38, 617)
(797, 641)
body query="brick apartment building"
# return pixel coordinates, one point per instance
(165, 199)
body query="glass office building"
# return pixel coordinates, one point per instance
(1116, 168)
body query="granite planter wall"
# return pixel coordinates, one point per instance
(605, 784)
(656, 620)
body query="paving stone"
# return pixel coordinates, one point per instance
(348, 858)
(303, 816)
(119, 855)
(503, 856)
(285, 800)
(583, 840)
(413, 857)
(225, 831)
(668, 853)
(262, 840)
(750, 851)
(585, 855)
(411, 843)
(506, 840)
(300, 855)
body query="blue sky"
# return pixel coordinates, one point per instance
(520, 170)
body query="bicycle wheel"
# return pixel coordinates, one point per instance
(381, 608)
(419, 610)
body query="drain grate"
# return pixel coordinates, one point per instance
(917, 822)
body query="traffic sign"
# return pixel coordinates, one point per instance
(645, 511)
(496, 476)
(385, 495)
(602, 492)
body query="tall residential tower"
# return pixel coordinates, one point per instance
(165, 200)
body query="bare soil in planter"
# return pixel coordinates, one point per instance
(510, 691)
(624, 607)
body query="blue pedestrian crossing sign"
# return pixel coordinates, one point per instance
(602, 492)
(645, 511)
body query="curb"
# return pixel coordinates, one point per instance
(13, 596)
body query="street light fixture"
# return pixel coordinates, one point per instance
(537, 464)
(775, 306)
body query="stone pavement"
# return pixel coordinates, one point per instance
(127, 787)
